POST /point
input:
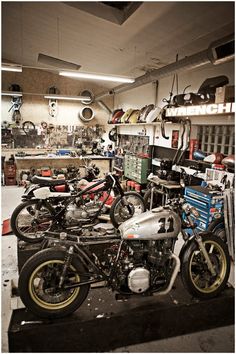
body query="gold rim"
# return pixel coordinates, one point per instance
(35, 292)
(200, 276)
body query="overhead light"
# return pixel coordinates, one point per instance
(80, 75)
(12, 93)
(11, 67)
(71, 98)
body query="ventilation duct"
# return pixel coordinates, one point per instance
(218, 52)
(58, 63)
(222, 50)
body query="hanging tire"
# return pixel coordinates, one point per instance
(196, 277)
(25, 227)
(125, 207)
(28, 127)
(39, 280)
(157, 199)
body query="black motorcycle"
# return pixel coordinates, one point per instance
(140, 260)
(71, 211)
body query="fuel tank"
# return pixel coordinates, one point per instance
(156, 224)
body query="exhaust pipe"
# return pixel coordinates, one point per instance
(173, 277)
(219, 51)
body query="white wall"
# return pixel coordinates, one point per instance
(36, 109)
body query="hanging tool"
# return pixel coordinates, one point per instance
(169, 104)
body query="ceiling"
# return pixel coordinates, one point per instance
(112, 39)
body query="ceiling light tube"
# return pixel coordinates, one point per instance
(71, 98)
(12, 93)
(9, 67)
(80, 75)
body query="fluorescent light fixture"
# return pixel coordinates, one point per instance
(80, 75)
(12, 93)
(71, 98)
(11, 67)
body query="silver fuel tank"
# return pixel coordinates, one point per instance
(156, 224)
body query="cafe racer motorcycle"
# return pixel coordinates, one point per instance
(140, 260)
(71, 211)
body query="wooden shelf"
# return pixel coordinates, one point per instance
(130, 124)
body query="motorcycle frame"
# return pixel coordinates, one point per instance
(85, 255)
(111, 182)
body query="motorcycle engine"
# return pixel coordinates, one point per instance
(142, 265)
(76, 213)
(139, 280)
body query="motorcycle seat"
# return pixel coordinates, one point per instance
(45, 181)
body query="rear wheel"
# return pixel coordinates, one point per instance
(39, 284)
(196, 276)
(217, 227)
(26, 226)
(126, 207)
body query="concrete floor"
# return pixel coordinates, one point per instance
(218, 340)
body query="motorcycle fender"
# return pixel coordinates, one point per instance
(29, 191)
(189, 243)
(184, 248)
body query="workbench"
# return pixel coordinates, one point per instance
(104, 163)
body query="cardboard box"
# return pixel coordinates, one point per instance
(225, 94)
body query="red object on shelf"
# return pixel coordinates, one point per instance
(137, 187)
(46, 172)
(193, 146)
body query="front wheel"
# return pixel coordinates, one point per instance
(125, 207)
(196, 276)
(39, 284)
(29, 221)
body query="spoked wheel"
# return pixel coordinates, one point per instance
(28, 223)
(125, 207)
(39, 284)
(196, 276)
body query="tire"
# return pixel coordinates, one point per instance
(217, 227)
(43, 270)
(195, 275)
(28, 127)
(120, 213)
(22, 218)
(157, 199)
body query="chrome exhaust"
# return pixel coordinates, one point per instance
(173, 277)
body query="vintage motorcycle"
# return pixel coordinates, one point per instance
(59, 185)
(140, 260)
(50, 210)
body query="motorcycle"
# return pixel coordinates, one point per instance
(157, 193)
(59, 185)
(50, 210)
(139, 260)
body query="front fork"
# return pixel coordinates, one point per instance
(202, 247)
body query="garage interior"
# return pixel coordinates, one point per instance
(143, 91)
